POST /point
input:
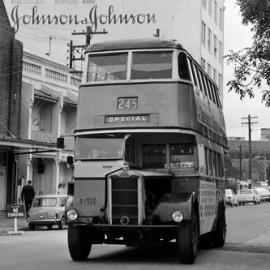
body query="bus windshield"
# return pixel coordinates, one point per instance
(99, 148)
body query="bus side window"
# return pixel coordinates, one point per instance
(193, 72)
(183, 69)
(199, 78)
(182, 156)
(206, 160)
(203, 83)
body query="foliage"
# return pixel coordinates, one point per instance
(252, 64)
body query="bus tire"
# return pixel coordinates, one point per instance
(187, 240)
(79, 243)
(219, 235)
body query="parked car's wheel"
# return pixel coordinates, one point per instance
(187, 239)
(79, 243)
(61, 225)
(31, 227)
(49, 227)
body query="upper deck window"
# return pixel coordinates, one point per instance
(107, 67)
(183, 67)
(151, 65)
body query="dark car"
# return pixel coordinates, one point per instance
(47, 210)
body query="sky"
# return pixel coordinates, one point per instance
(236, 36)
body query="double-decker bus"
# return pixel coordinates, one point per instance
(149, 151)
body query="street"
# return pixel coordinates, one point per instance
(247, 247)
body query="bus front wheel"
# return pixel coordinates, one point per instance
(79, 243)
(187, 240)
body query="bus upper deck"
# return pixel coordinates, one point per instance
(148, 84)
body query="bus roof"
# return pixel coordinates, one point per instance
(153, 43)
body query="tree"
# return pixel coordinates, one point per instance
(252, 64)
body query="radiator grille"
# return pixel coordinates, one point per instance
(124, 198)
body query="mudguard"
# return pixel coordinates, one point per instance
(171, 202)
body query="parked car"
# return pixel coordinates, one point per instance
(248, 196)
(264, 193)
(231, 198)
(47, 210)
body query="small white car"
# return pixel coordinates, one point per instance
(47, 210)
(264, 193)
(248, 196)
(231, 198)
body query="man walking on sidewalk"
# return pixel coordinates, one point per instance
(27, 196)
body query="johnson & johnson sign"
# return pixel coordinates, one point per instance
(94, 18)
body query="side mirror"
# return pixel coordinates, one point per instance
(70, 189)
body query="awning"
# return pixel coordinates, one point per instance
(18, 145)
(70, 100)
(45, 93)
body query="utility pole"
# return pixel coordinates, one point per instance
(74, 48)
(249, 123)
(240, 172)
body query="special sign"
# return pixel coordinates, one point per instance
(15, 211)
(123, 119)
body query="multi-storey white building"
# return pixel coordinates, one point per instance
(48, 111)
(196, 24)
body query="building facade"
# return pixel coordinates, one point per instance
(10, 94)
(196, 24)
(49, 103)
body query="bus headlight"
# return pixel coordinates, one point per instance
(72, 214)
(177, 216)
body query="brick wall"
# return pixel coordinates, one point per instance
(10, 77)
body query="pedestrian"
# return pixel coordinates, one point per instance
(27, 196)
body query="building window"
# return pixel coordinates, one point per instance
(210, 3)
(203, 63)
(204, 4)
(203, 33)
(220, 82)
(209, 69)
(214, 75)
(220, 52)
(221, 19)
(215, 46)
(216, 12)
(209, 40)
(46, 117)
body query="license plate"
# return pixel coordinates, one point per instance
(127, 103)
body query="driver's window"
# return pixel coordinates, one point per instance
(154, 156)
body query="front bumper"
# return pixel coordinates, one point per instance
(44, 221)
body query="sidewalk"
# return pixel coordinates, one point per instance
(7, 224)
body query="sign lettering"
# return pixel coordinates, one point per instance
(124, 119)
(94, 18)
